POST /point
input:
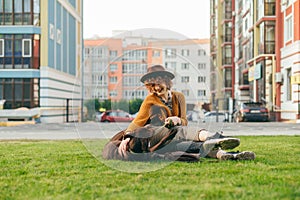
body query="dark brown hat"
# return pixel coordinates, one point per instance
(156, 70)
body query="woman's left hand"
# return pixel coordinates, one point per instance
(176, 120)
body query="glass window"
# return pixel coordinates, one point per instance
(185, 66)
(18, 91)
(18, 6)
(1, 48)
(186, 92)
(18, 48)
(8, 48)
(8, 91)
(288, 85)
(185, 79)
(26, 48)
(113, 53)
(27, 91)
(288, 28)
(8, 6)
(36, 6)
(27, 5)
(1, 6)
(113, 67)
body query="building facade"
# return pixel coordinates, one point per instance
(289, 63)
(264, 37)
(189, 61)
(129, 59)
(41, 56)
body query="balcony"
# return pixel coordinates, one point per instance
(227, 61)
(269, 9)
(268, 47)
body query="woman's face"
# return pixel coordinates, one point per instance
(158, 87)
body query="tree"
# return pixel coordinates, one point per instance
(106, 104)
(134, 105)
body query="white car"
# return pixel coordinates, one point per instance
(212, 117)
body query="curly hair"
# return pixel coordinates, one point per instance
(151, 82)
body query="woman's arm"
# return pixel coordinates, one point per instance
(182, 109)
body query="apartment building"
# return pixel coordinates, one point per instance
(262, 37)
(288, 66)
(187, 59)
(113, 67)
(41, 57)
(222, 53)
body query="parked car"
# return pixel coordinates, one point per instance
(116, 116)
(212, 117)
(251, 111)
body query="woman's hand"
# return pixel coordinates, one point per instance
(123, 146)
(175, 120)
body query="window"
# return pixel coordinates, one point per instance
(185, 52)
(186, 92)
(113, 93)
(170, 53)
(201, 66)
(170, 65)
(288, 28)
(113, 79)
(201, 93)
(1, 47)
(201, 52)
(26, 48)
(113, 67)
(185, 66)
(19, 12)
(113, 53)
(288, 85)
(156, 53)
(201, 79)
(185, 79)
(19, 92)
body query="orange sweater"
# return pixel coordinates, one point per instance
(178, 106)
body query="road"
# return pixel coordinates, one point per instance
(92, 130)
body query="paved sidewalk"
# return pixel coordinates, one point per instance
(92, 130)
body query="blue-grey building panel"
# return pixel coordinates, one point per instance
(58, 57)
(51, 53)
(72, 45)
(58, 16)
(65, 41)
(73, 3)
(51, 11)
(19, 73)
(20, 30)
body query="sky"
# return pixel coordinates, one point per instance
(189, 18)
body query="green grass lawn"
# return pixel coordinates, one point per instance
(66, 170)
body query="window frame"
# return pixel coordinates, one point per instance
(23, 48)
(288, 30)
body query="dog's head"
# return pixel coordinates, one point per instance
(139, 139)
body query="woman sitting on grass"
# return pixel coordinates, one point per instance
(160, 129)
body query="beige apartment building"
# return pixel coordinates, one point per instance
(113, 67)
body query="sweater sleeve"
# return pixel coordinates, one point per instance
(182, 108)
(142, 117)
